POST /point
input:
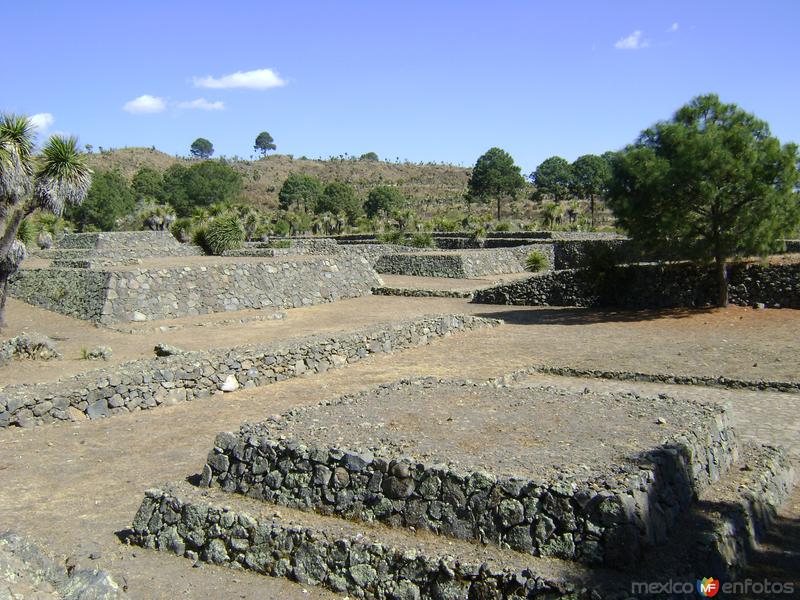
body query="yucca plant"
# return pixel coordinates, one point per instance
(56, 177)
(535, 261)
(223, 233)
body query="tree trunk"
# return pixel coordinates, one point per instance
(722, 281)
(498, 209)
(591, 208)
(3, 295)
(10, 234)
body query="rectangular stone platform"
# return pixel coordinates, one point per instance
(594, 478)
(178, 287)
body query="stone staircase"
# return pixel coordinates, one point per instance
(390, 514)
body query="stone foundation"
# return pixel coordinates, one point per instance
(146, 384)
(610, 515)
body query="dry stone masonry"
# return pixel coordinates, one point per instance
(146, 384)
(464, 264)
(205, 527)
(274, 462)
(652, 286)
(152, 293)
(607, 514)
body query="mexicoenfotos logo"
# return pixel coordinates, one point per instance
(708, 587)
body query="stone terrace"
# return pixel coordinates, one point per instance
(407, 454)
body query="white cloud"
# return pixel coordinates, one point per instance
(145, 104)
(41, 121)
(260, 79)
(673, 28)
(202, 104)
(634, 41)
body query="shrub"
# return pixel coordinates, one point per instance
(281, 227)
(183, 229)
(422, 240)
(280, 244)
(199, 236)
(392, 237)
(223, 233)
(503, 226)
(535, 261)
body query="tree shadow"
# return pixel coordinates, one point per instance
(589, 316)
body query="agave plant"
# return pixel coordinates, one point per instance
(54, 178)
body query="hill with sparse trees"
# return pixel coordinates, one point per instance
(428, 186)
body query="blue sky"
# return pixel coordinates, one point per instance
(426, 81)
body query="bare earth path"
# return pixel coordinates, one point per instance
(71, 487)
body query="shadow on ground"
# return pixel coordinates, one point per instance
(588, 316)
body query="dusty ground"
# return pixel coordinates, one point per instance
(736, 342)
(525, 432)
(446, 283)
(71, 487)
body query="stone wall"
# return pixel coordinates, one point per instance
(151, 293)
(78, 293)
(144, 242)
(176, 520)
(601, 517)
(26, 571)
(577, 253)
(465, 264)
(297, 246)
(148, 383)
(652, 286)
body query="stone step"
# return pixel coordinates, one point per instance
(726, 524)
(372, 560)
(364, 560)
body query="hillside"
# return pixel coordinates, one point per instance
(428, 186)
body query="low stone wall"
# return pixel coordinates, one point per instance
(464, 264)
(652, 286)
(669, 378)
(120, 255)
(374, 252)
(603, 517)
(145, 384)
(109, 249)
(297, 246)
(187, 524)
(144, 242)
(27, 572)
(144, 294)
(152, 294)
(578, 253)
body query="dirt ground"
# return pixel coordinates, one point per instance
(735, 342)
(71, 487)
(523, 432)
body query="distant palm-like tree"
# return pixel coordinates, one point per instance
(47, 181)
